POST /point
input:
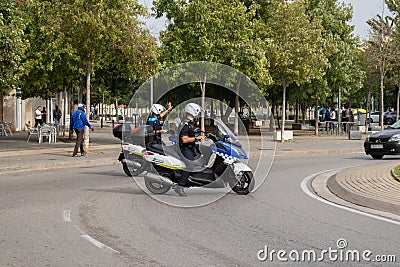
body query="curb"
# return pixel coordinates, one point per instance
(59, 165)
(335, 188)
(317, 184)
(394, 175)
(322, 152)
(10, 153)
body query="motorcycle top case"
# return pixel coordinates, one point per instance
(122, 129)
(142, 135)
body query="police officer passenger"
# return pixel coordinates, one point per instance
(157, 112)
(187, 144)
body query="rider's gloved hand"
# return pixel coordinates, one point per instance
(200, 138)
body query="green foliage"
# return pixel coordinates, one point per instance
(221, 31)
(396, 172)
(66, 34)
(345, 70)
(296, 45)
(12, 44)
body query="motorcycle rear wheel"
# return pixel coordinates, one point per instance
(126, 169)
(157, 188)
(245, 184)
(131, 171)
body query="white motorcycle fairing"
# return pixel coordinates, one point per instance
(165, 161)
(132, 149)
(240, 167)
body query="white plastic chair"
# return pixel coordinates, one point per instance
(8, 127)
(31, 131)
(3, 128)
(46, 130)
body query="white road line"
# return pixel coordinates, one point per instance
(66, 215)
(306, 190)
(98, 243)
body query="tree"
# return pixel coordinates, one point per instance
(12, 44)
(220, 31)
(380, 46)
(345, 70)
(75, 39)
(295, 49)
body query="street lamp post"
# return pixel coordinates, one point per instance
(18, 123)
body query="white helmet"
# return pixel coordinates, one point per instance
(157, 109)
(193, 109)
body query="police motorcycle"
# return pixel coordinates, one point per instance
(132, 144)
(218, 166)
(131, 148)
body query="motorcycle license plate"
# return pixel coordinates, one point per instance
(376, 146)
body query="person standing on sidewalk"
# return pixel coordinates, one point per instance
(38, 116)
(78, 122)
(57, 115)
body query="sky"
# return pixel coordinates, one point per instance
(363, 10)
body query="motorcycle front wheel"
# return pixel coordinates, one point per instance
(245, 184)
(157, 188)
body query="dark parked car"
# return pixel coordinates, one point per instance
(389, 117)
(386, 142)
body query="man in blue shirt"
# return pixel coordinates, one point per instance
(78, 122)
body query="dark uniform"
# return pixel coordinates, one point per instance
(154, 122)
(188, 150)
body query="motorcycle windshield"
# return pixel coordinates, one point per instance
(226, 134)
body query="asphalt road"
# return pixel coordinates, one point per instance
(96, 216)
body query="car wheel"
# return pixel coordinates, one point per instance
(389, 121)
(377, 156)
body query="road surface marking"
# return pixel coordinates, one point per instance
(66, 215)
(307, 191)
(98, 243)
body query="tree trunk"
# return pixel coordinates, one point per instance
(71, 107)
(221, 110)
(236, 125)
(316, 118)
(116, 111)
(203, 100)
(398, 98)
(88, 70)
(381, 104)
(283, 109)
(277, 117)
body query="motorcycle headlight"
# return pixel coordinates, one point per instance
(395, 138)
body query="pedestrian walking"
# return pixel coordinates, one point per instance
(78, 122)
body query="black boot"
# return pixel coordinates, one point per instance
(179, 190)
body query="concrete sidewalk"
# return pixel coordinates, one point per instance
(18, 155)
